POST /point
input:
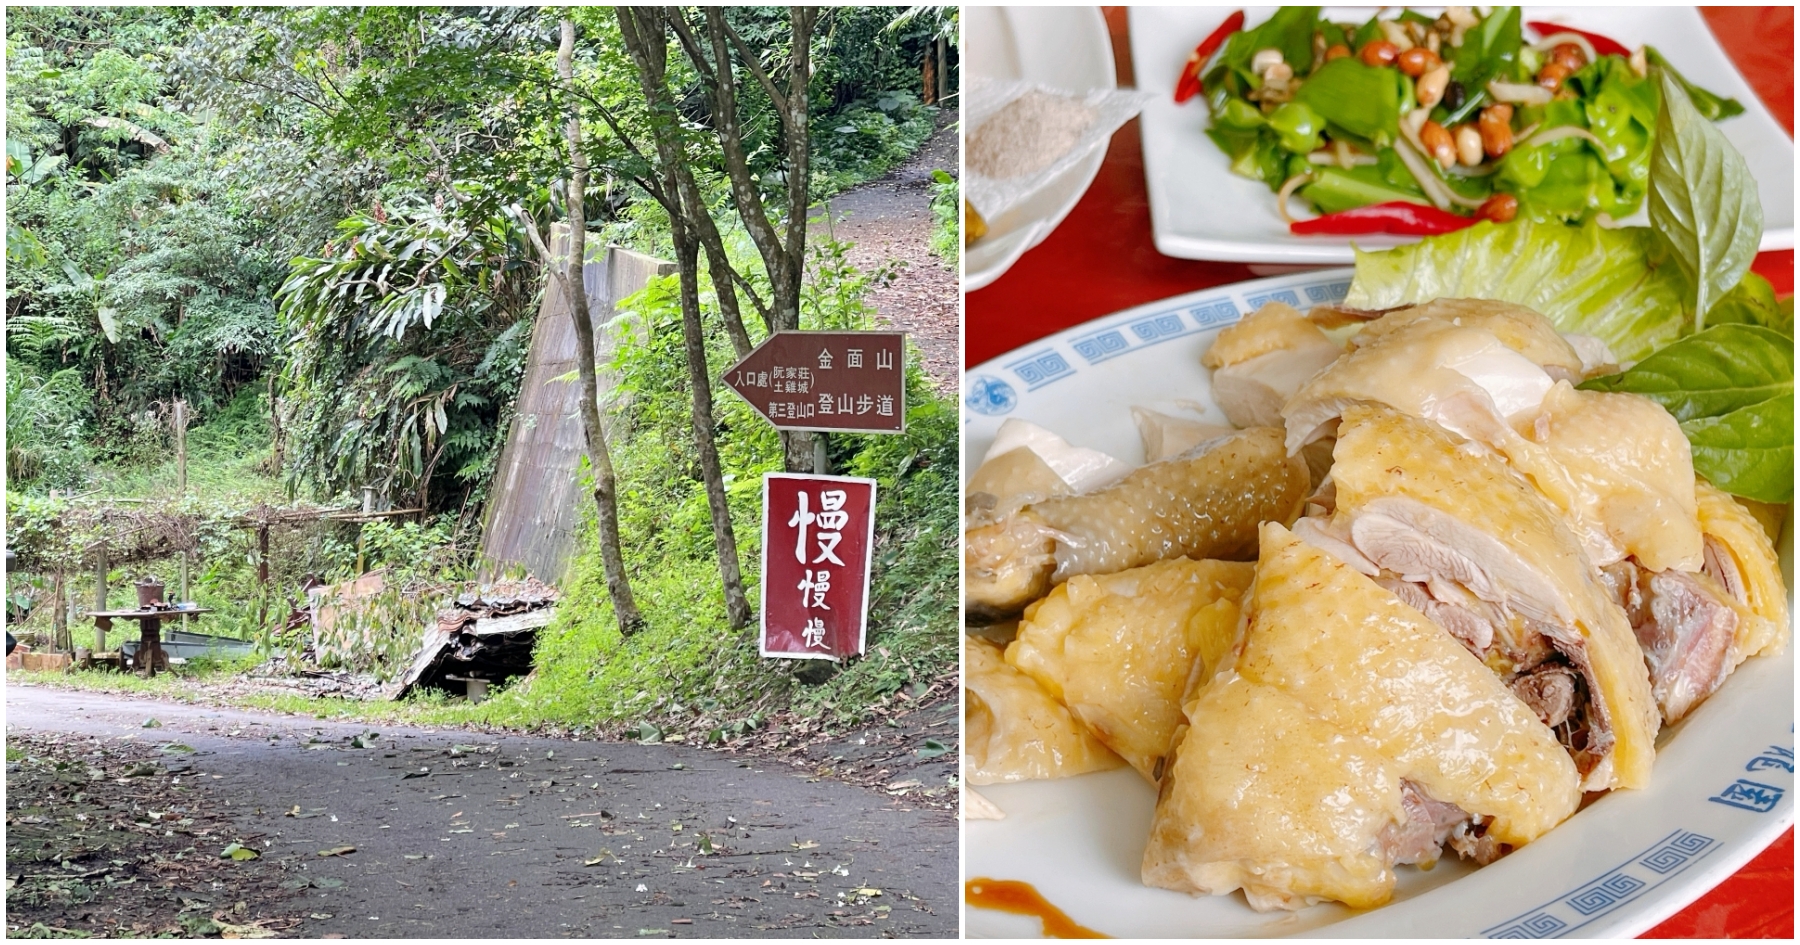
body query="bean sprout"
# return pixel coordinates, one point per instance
(1557, 39)
(1521, 93)
(1287, 190)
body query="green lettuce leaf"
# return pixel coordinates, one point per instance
(1600, 282)
(1732, 389)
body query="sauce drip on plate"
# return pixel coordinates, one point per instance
(1011, 895)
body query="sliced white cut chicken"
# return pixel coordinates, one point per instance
(1166, 436)
(1009, 481)
(1348, 735)
(1519, 328)
(1596, 357)
(976, 806)
(1462, 378)
(1083, 469)
(1425, 507)
(1118, 649)
(1014, 731)
(1261, 361)
(1740, 556)
(1205, 503)
(1629, 473)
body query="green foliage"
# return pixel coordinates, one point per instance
(410, 344)
(685, 669)
(45, 442)
(946, 215)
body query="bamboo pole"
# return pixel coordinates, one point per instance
(180, 424)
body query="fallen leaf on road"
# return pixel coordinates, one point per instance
(868, 892)
(337, 851)
(422, 772)
(681, 921)
(321, 915)
(933, 748)
(653, 931)
(177, 747)
(152, 723)
(238, 851)
(805, 845)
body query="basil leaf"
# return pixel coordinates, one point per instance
(1703, 200)
(1710, 105)
(1753, 303)
(1732, 389)
(1711, 373)
(1748, 452)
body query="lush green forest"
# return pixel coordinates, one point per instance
(317, 235)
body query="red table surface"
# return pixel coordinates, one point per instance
(1101, 260)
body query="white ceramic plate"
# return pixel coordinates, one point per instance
(1200, 210)
(1062, 47)
(1722, 789)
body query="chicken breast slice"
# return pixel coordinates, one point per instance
(1014, 731)
(1290, 780)
(1118, 649)
(1629, 472)
(1263, 360)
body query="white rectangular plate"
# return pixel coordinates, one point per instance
(1722, 789)
(1200, 210)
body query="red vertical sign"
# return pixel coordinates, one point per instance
(818, 534)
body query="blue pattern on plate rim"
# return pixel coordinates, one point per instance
(990, 395)
(1101, 345)
(1618, 886)
(1041, 367)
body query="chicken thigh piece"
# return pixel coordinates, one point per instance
(1430, 509)
(1205, 503)
(1348, 734)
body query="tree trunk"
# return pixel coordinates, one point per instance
(646, 40)
(783, 252)
(737, 605)
(606, 502)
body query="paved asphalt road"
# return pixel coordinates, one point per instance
(461, 834)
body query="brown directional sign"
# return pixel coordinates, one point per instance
(850, 381)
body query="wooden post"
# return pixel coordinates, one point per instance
(262, 576)
(59, 611)
(180, 423)
(100, 570)
(943, 69)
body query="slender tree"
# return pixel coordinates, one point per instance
(569, 276)
(783, 250)
(646, 40)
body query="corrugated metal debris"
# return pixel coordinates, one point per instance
(535, 509)
(484, 637)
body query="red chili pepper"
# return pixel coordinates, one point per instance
(1188, 85)
(1396, 217)
(1603, 46)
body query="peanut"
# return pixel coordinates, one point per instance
(1430, 89)
(1570, 55)
(1499, 208)
(1379, 53)
(1418, 60)
(1495, 126)
(1553, 73)
(1468, 145)
(1438, 143)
